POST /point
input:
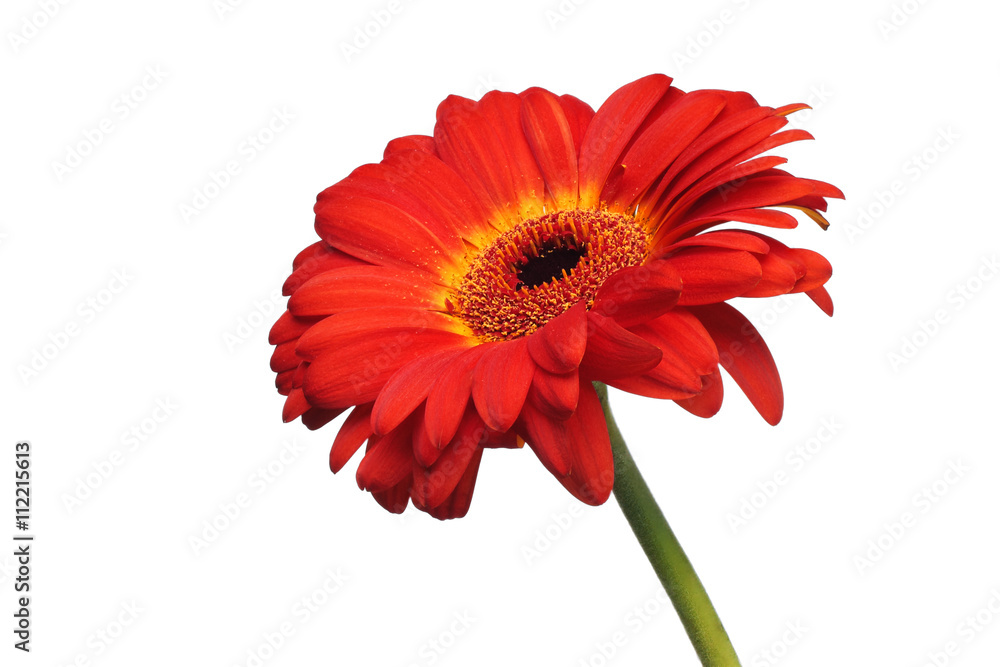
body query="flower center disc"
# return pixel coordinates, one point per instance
(544, 266)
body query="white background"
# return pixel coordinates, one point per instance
(885, 95)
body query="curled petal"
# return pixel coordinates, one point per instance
(638, 294)
(744, 355)
(555, 395)
(708, 401)
(712, 275)
(559, 346)
(614, 352)
(682, 331)
(777, 277)
(821, 298)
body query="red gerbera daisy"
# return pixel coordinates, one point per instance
(469, 288)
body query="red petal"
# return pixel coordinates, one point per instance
(611, 130)
(712, 275)
(559, 346)
(387, 462)
(425, 188)
(659, 145)
(355, 430)
(315, 418)
(773, 141)
(732, 239)
(295, 405)
(592, 474)
(822, 299)
(355, 373)
(824, 189)
(397, 498)
(425, 451)
(457, 504)
(284, 357)
(314, 260)
(579, 114)
(614, 352)
(391, 182)
(502, 379)
(777, 277)
(674, 377)
(637, 294)
(288, 327)
(551, 139)
(503, 112)
(380, 233)
(650, 386)
(763, 217)
(365, 287)
(407, 389)
(468, 144)
(811, 269)
(358, 326)
(743, 353)
(547, 437)
(753, 193)
(685, 333)
(717, 158)
(790, 108)
(726, 125)
(716, 193)
(555, 395)
(283, 381)
(709, 401)
(442, 191)
(449, 396)
(413, 142)
(433, 485)
(300, 374)
(818, 269)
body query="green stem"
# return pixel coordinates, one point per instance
(665, 554)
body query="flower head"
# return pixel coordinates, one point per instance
(469, 288)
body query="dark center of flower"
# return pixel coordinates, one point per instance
(551, 263)
(544, 266)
